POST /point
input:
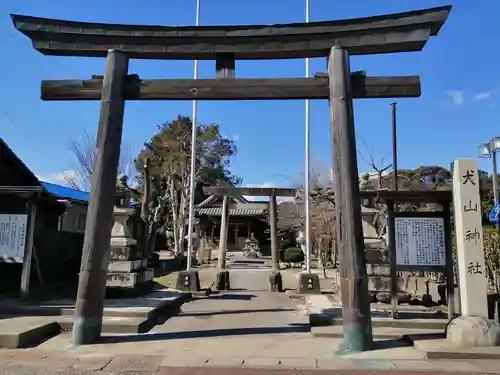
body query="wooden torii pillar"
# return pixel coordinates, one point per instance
(275, 280)
(401, 32)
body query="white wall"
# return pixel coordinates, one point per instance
(73, 220)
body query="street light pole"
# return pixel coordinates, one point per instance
(494, 176)
(489, 150)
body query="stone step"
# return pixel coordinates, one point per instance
(322, 312)
(319, 320)
(159, 302)
(378, 332)
(24, 331)
(114, 324)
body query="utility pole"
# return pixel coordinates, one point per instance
(145, 209)
(394, 150)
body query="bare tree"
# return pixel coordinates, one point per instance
(84, 152)
(322, 209)
(369, 159)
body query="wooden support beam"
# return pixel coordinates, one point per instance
(225, 65)
(232, 88)
(353, 278)
(273, 224)
(92, 281)
(221, 260)
(28, 246)
(28, 190)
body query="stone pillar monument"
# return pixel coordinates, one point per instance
(473, 328)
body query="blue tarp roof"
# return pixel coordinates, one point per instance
(64, 192)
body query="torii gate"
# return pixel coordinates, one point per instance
(336, 40)
(275, 280)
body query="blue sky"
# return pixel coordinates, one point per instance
(458, 110)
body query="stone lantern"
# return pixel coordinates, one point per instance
(127, 266)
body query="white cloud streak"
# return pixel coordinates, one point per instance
(457, 97)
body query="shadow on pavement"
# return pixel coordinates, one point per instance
(230, 312)
(389, 344)
(204, 334)
(232, 296)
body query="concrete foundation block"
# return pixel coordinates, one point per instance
(188, 281)
(222, 282)
(128, 279)
(275, 282)
(469, 331)
(124, 252)
(125, 265)
(308, 283)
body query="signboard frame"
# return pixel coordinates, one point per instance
(422, 216)
(20, 228)
(446, 269)
(31, 194)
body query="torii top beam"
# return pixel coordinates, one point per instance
(399, 32)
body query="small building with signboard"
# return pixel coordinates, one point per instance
(56, 254)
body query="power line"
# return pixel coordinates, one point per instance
(16, 37)
(18, 129)
(67, 68)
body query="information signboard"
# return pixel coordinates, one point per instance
(12, 237)
(420, 241)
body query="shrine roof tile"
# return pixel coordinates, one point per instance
(217, 211)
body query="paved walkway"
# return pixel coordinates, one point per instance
(236, 331)
(34, 361)
(239, 330)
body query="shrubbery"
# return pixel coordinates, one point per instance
(293, 255)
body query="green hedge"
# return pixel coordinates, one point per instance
(293, 255)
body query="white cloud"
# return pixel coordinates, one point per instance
(483, 95)
(456, 96)
(236, 137)
(264, 185)
(59, 178)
